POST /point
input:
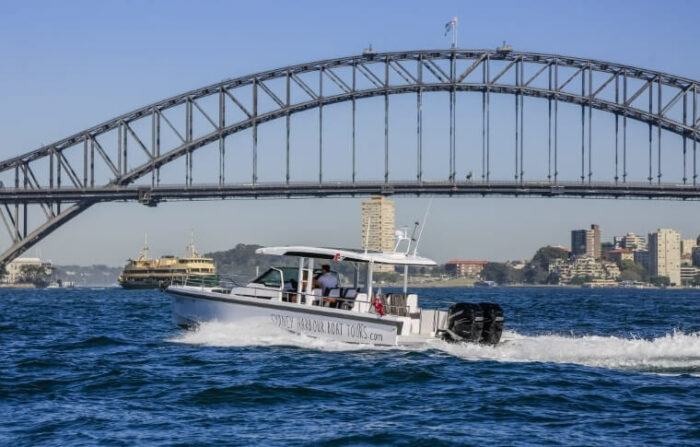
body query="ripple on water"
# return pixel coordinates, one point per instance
(88, 367)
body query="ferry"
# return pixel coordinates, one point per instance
(147, 273)
(289, 298)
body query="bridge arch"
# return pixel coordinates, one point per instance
(618, 89)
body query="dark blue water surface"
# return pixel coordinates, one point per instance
(583, 367)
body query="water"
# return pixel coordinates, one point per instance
(585, 367)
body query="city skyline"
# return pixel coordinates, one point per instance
(152, 66)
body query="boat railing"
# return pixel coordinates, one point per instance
(391, 303)
(395, 304)
(219, 283)
(314, 299)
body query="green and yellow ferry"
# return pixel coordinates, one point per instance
(146, 273)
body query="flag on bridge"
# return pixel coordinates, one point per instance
(449, 26)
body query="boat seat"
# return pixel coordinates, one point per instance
(332, 293)
(348, 293)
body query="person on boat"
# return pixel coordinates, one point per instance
(326, 281)
(289, 288)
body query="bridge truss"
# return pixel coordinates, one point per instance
(121, 159)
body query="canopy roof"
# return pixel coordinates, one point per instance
(346, 254)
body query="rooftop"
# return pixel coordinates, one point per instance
(347, 254)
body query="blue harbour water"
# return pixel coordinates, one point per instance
(584, 367)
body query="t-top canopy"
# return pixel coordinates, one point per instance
(345, 254)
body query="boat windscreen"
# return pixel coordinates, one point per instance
(271, 278)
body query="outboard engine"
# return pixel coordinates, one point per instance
(465, 322)
(493, 323)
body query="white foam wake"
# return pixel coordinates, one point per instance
(242, 334)
(673, 353)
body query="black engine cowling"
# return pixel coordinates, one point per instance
(465, 322)
(493, 323)
(475, 323)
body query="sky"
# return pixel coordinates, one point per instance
(66, 66)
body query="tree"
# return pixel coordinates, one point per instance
(501, 273)
(553, 278)
(35, 274)
(630, 275)
(660, 281)
(630, 269)
(534, 274)
(580, 279)
(545, 255)
(537, 270)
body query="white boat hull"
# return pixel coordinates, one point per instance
(194, 305)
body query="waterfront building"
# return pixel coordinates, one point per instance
(378, 218)
(584, 266)
(16, 268)
(687, 246)
(517, 264)
(461, 268)
(641, 257)
(696, 256)
(665, 254)
(630, 241)
(688, 274)
(621, 254)
(586, 242)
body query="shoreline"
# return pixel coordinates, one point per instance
(470, 284)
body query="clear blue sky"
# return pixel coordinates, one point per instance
(68, 65)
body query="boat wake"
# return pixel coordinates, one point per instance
(674, 353)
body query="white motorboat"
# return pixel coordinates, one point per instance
(285, 297)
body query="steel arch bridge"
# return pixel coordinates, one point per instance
(121, 159)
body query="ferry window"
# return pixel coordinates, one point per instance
(271, 278)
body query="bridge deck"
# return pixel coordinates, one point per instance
(153, 195)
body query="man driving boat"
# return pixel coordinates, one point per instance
(326, 280)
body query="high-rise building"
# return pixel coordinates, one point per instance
(665, 254)
(696, 256)
(378, 219)
(641, 257)
(578, 242)
(586, 242)
(687, 246)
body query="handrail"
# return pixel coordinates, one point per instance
(292, 296)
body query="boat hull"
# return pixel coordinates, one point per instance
(193, 306)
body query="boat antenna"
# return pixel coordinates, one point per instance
(416, 224)
(190, 248)
(425, 219)
(144, 250)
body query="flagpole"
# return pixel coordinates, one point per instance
(454, 33)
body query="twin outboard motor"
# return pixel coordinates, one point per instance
(475, 323)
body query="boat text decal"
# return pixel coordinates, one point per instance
(357, 331)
